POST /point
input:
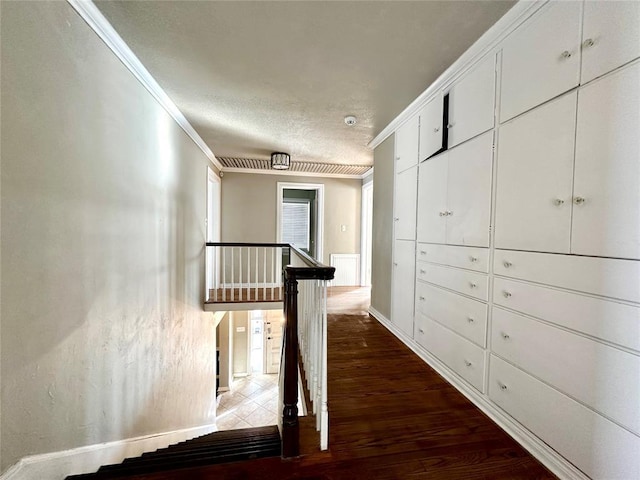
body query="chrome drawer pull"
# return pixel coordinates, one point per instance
(502, 386)
(505, 336)
(506, 294)
(507, 263)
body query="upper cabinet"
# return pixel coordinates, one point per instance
(610, 38)
(433, 131)
(405, 204)
(407, 137)
(471, 102)
(541, 59)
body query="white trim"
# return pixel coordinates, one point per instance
(490, 40)
(289, 173)
(99, 24)
(319, 188)
(540, 450)
(366, 174)
(366, 216)
(87, 459)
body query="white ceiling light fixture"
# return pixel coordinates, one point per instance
(280, 161)
(350, 120)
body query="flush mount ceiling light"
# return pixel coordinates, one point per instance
(350, 120)
(280, 161)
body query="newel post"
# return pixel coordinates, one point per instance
(290, 427)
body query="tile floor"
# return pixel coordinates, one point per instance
(251, 402)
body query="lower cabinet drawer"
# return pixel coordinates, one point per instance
(463, 281)
(594, 444)
(605, 378)
(605, 319)
(457, 353)
(472, 258)
(463, 315)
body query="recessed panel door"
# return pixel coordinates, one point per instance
(403, 285)
(431, 127)
(405, 204)
(406, 149)
(432, 199)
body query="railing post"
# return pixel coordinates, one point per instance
(290, 427)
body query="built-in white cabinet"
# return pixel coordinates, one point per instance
(402, 301)
(541, 59)
(454, 197)
(406, 145)
(610, 36)
(432, 127)
(606, 209)
(535, 178)
(405, 204)
(471, 102)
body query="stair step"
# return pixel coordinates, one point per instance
(238, 444)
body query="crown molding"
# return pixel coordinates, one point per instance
(101, 26)
(489, 41)
(289, 173)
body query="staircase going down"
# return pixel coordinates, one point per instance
(211, 449)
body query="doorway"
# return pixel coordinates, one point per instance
(212, 225)
(300, 216)
(367, 234)
(265, 343)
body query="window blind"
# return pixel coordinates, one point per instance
(296, 224)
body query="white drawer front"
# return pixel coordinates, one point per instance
(597, 446)
(461, 314)
(601, 276)
(464, 257)
(463, 281)
(603, 377)
(462, 356)
(612, 321)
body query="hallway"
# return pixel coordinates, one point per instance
(391, 417)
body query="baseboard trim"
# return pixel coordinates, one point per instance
(551, 459)
(87, 459)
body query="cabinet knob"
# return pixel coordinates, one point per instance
(566, 54)
(398, 158)
(421, 298)
(579, 200)
(449, 213)
(473, 284)
(436, 130)
(421, 330)
(588, 43)
(473, 259)
(450, 125)
(467, 363)
(470, 319)
(443, 214)
(423, 271)
(395, 264)
(395, 219)
(505, 336)
(423, 252)
(506, 294)
(558, 201)
(502, 386)
(507, 263)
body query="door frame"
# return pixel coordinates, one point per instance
(214, 212)
(319, 188)
(365, 233)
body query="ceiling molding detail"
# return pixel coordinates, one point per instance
(101, 26)
(256, 165)
(489, 41)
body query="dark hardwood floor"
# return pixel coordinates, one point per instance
(391, 417)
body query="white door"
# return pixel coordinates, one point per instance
(541, 59)
(431, 128)
(405, 204)
(610, 36)
(406, 144)
(469, 192)
(471, 102)
(607, 172)
(534, 183)
(432, 199)
(273, 325)
(404, 253)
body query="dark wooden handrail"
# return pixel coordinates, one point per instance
(313, 270)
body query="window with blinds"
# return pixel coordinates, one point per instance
(296, 223)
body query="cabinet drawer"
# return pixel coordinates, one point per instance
(601, 276)
(595, 445)
(462, 356)
(603, 377)
(463, 315)
(463, 257)
(463, 281)
(611, 321)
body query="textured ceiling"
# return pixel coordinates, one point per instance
(255, 77)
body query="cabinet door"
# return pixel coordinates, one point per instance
(541, 59)
(611, 36)
(403, 285)
(407, 144)
(469, 192)
(471, 102)
(432, 199)
(405, 205)
(535, 171)
(606, 210)
(431, 127)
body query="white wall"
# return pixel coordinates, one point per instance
(102, 282)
